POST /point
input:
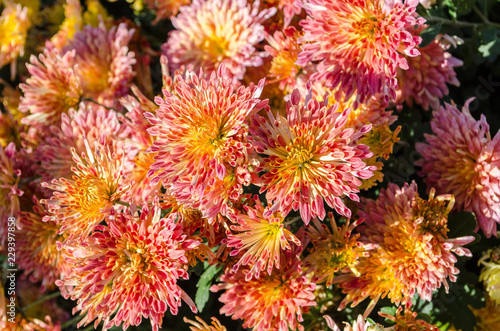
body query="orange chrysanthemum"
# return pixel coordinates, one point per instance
(81, 203)
(412, 254)
(164, 9)
(214, 31)
(271, 302)
(335, 250)
(203, 156)
(360, 44)
(260, 238)
(128, 269)
(309, 158)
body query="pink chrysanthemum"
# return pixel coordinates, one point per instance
(309, 158)
(425, 80)
(9, 189)
(39, 254)
(271, 302)
(215, 31)
(52, 89)
(359, 44)
(90, 122)
(360, 324)
(413, 253)
(129, 268)
(201, 129)
(461, 158)
(260, 238)
(82, 202)
(103, 62)
(289, 8)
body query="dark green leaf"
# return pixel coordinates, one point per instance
(203, 286)
(429, 34)
(461, 224)
(389, 310)
(464, 6)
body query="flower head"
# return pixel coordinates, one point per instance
(360, 44)
(73, 22)
(413, 252)
(408, 320)
(335, 250)
(90, 123)
(490, 274)
(129, 268)
(82, 202)
(40, 255)
(428, 73)
(260, 238)
(461, 158)
(309, 158)
(203, 155)
(52, 89)
(271, 302)
(215, 31)
(14, 24)
(103, 62)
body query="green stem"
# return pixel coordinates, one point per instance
(97, 103)
(41, 300)
(484, 18)
(71, 322)
(119, 202)
(450, 22)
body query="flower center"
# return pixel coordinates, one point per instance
(366, 27)
(298, 155)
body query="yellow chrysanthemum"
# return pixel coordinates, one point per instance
(14, 25)
(490, 274)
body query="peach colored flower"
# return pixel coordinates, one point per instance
(359, 44)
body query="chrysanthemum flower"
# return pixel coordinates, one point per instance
(202, 151)
(90, 123)
(487, 318)
(215, 31)
(335, 250)
(103, 62)
(200, 325)
(360, 44)
(39, 254)
(309, 158)
(52, 89)
(490, 274)
(129, 268)
(82, 202)
(413, 251)
(14, 24)
(260, 238)
(9, 189)
(271, 302)
(461, 158)
(427, 75)
(164, 9)
(284, 49)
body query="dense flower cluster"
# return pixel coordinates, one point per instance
(156, 152)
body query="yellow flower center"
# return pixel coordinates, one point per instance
(215, 47)
(298, 155)
(366, 27)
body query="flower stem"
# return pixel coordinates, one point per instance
(97, 103)
(41, 300)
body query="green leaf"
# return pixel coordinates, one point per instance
(464, 6)
(461, 224)
(203, 286)
(489, 43)
(452, 8)
(429, 34)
